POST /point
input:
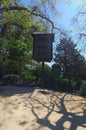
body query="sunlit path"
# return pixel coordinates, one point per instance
(24, 108)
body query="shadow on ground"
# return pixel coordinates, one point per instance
(12, 90)
(74, 118)
(50, 110)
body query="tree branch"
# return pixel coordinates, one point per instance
(82, 34)
(81, 13)
(32, 13)
(5, 27)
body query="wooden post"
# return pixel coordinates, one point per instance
(42, 76)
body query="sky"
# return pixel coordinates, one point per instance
(67, 11)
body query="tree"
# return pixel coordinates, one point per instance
(16, 26)
(17, 23)
(39, 9)
(69, 59)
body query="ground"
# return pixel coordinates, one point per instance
(30, 108)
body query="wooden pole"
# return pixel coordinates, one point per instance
(42, 78)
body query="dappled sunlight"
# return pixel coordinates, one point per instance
(42, 110)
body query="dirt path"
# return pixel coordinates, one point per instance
(24, 108)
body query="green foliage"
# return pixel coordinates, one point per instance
(11, 78)
(48, 78)
(83, 88)
(1, 66)
(29, 77)
(78, 84)
(16, 43)
(38, 71)
(38, 25)
(4, 2)
(69, 59)
(47, 71)
(73, 84)
(63, 84)
(22, 18)
(56, 70)
(13, 67)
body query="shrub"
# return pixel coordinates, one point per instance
(83, 88)
(38, 71)
(73, 85)
(29, 78)
(11, 78)
(78, 84)
(63, 84)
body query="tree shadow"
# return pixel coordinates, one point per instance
(75, 119)
(7, 91)
(50, 109)
(44, 92)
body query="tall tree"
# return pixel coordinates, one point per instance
(16, 27)
(69, 59)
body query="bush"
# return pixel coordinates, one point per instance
(78, 84)
(74, 86)
(11, 78)
(38, 71)
(63, 84)
(29, 78)
(83, 88)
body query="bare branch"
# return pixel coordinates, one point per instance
(84, 12)
(82, 34)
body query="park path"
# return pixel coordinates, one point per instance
(29, 108)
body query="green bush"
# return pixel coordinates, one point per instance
(38, 71)
(63, 84)
(73, 85)
(78, 84)
(10, 78)
(29, 77)
(1, 66)
(83, 88)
